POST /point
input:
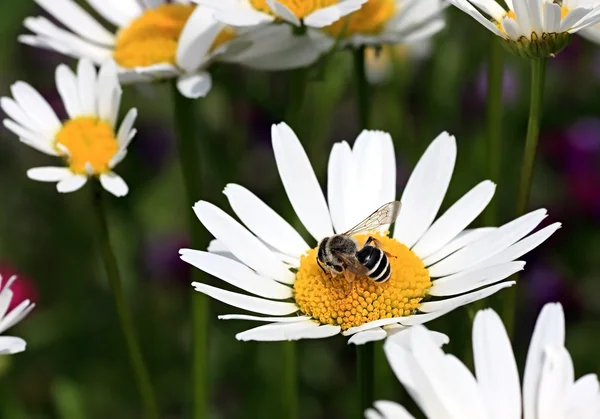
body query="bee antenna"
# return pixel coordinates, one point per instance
(321, 266)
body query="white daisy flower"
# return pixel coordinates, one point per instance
(534, 28)
(380, 22)
(88, 142)
(444, 388)
(9, 344)
(439, 261)
(379, 62)
(306, 13)
(157, 39)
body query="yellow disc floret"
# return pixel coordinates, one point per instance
(300, 8)
(90, 143)
(333, 300)
(370, 19)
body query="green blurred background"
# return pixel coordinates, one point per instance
(76, 365)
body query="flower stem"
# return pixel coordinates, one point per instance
(538, 70)
(112, 271)
(290, 393)
(362, 88)
(185, 126)
(365, 365)
(494, 122)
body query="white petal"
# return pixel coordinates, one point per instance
(555, 380)
(236, 13)
(455, 219)
(392, 410)
(114, 184)
(583, 398)
(66, 84)
(6, 297)
(451, 303)
(468, 281)
(245, 246)
(372, 414)
(71, 183)
(370, 335)
(522, 17)
(535, 9)
(236, 274)
(549, 332)
(287, 319)
(495, 367)
(511, 28)
(288, 331)
(468, 8)
(16, 315)
(328, 15)
(86, 78)
(109, 93)
(300, 182)
(16, 113)
(35, 140)
(490, 7)
(124, 133)
(118, 12)
(572, 18)
(196, 39)
(283, 12)
(246, 302)
(194, 86)
(425, 190)
(78, 20)
(264, 222)
(488, 245)
(464, 238)
(10, 345)
(340, 175)
(552, 17)
(49, 174)
(36, 108)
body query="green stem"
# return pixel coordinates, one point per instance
(185, 126)
(290, 391)
(494, 122)
(365, 365)
(538, 70)
(112, 271)
(362, 88)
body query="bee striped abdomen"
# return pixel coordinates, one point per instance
(376, 262)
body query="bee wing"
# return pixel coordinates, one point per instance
(387, 214)
(351, 263)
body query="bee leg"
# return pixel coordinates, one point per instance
(377, 244)
(350, 277)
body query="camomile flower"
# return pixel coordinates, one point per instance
(533, 28)
(158, 39)
(380, 22)
(9, 344)
(445, 388)
(305, 13)
(379, 62)
(436, 265)
(88, 142)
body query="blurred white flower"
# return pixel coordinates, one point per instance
(379, 62)
(88, 141)
(444, 388)
(9, 344)
(441, 259)
(534, 28)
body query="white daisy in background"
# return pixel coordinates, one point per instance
(88, 141)
(445, 389)
(312, 13)
(380, 22)
(436, 266)
(9, 344)
(157, 39)
(379, 62)
(533, 28)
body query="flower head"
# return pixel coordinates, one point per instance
(153, 40)
(444, 388)
(436, 265)
(9, 318)
(534, 28)
(88, 142)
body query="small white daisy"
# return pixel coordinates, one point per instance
(438, 261)
(88, 141)
(157, 39)
(310, 13)
(9, 344)
(380, 22)
(379, 62)
(534, 28)
(444, 388)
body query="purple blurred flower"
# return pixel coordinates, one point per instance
(510, 85)
(544, 284)
(154, 143)
(160, 260)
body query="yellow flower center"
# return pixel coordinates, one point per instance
(153, 37)
(90, 143)
(370, 19)
(300, 8)
(332, 300)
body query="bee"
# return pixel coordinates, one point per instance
(341, 254)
